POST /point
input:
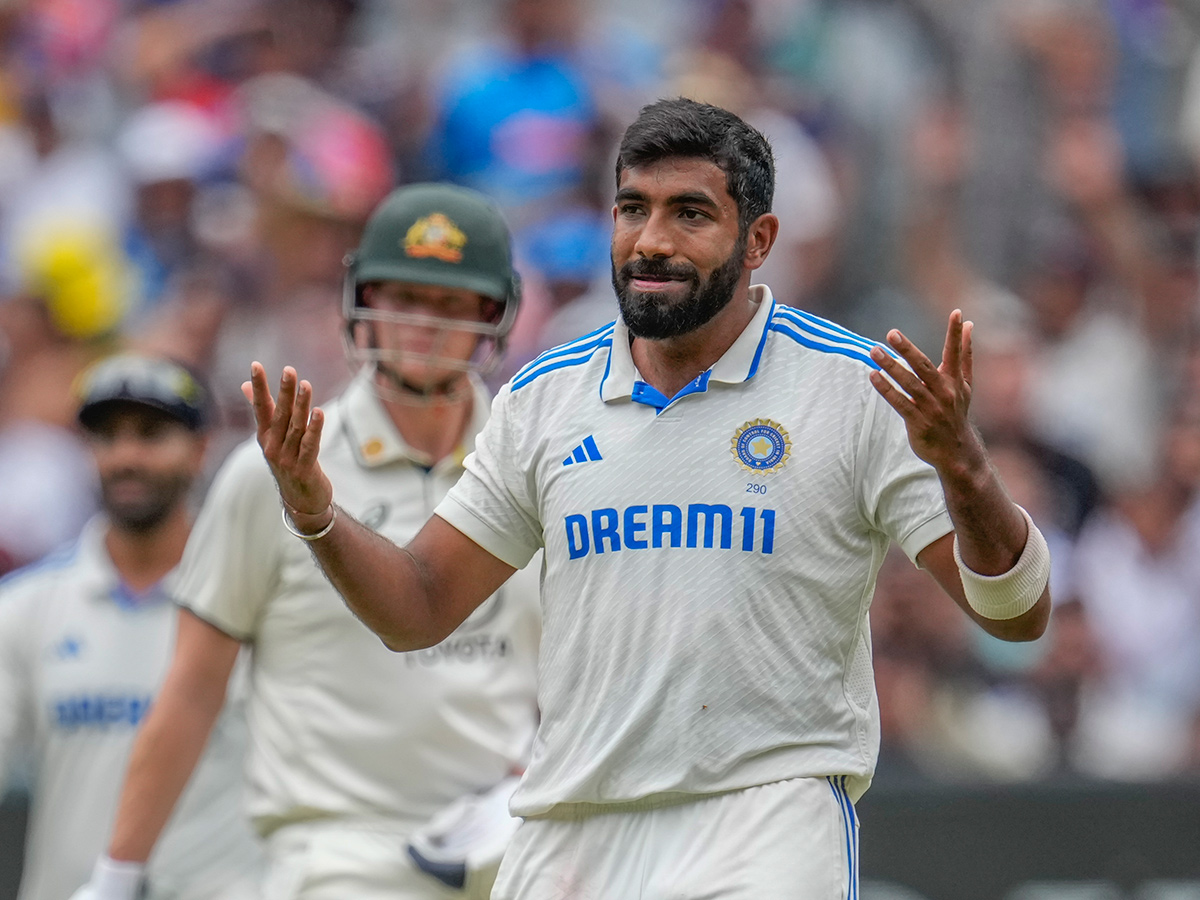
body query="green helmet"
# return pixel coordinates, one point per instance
(442, 235)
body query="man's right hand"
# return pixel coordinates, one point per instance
(113, 880)
(290, 436)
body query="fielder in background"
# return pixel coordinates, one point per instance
(371, 774)
(714, 478)
(85, 640)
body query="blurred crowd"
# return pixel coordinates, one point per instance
(186, 176)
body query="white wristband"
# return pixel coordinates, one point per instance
(1014, 592)
(114, 879)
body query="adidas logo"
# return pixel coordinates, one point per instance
(68, 648)
(585, 452)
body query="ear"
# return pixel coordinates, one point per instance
(760, 238)
(492, 311)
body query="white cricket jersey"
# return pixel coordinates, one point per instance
(81, 660)
(339, 724)
(709, 560)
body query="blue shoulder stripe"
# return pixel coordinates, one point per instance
(55, 559)
(573, 354)
(823, 327)
(808, 341)
(587, 341)
(836, 335)
(562, 363)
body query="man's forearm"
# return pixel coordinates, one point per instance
(173, 736)
(1001, 558)
(990, 529)
(164, 755)
(412, 596)
(382, 583)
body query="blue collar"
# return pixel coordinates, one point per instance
(738, 364)
(127, 598)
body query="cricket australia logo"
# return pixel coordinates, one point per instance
(762, 446)
(437, 236)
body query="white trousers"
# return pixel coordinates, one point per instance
(351, 860)
(790, 840)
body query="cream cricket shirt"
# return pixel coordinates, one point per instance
(341, 726)
(709, 560)
(80, 663)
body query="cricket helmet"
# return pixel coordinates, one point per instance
(440, 235)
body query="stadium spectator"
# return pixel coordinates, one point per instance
(65, 314)
(932, 274)
(309, 170)
(807, 201)
(1000, 403)
(165, 148)
(862, 71)
(527, 115)
(1136, 576)
(1093, 392)
(565, 292)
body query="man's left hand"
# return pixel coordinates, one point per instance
(933, 400)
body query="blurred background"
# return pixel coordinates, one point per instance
(185, 176)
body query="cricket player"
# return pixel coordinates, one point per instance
(85, 640)
(356, 752)
(714, 479)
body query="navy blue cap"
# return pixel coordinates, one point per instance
(150, 381)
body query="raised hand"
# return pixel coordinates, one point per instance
(289, 432)
(933, 401)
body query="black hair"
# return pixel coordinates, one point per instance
(682, 127)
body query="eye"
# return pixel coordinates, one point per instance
(388, 299)
(629, 209)
(691, 213)
(102, 436)
(152, 429)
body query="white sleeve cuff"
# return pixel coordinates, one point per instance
(482, 533)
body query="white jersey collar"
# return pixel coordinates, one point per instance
(738, 364)
(93, 559)
(97, 566)
(377, 441)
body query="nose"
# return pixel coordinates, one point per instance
(126, 449)
(654, 238)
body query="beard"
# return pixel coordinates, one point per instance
(655, 316)
(159, 497)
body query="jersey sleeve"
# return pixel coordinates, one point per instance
(901, 494)
(232, 556)
(494, 503)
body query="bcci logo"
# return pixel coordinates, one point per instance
(435, 236)
(762, 446)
